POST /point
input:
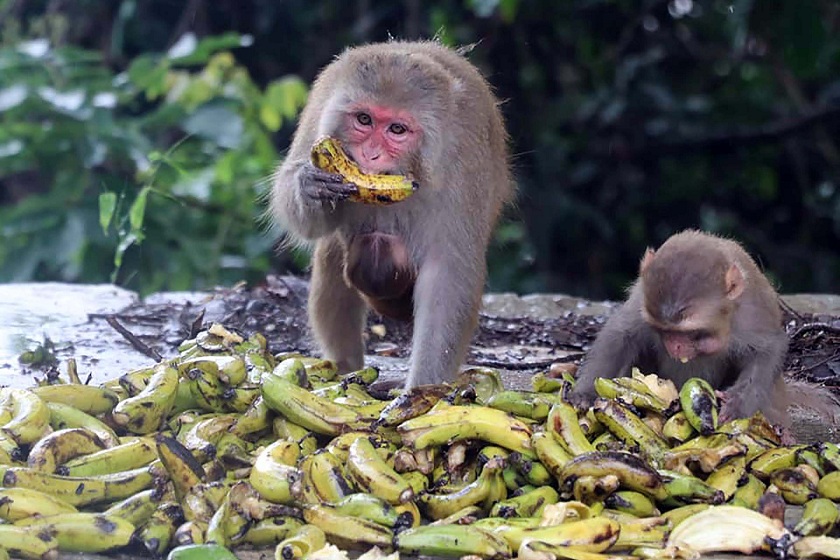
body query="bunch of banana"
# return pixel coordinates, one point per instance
(328, 154)
(227, 445)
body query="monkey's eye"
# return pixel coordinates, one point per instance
(697, 336)
(364, 119)
(398, 128)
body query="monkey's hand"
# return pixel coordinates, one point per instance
(582, 398)
(325, 186)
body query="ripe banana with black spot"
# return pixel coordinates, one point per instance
(79, 490)
(87, 398)
(83, 531)
(632, 471)
(21, 503)
(23, 542)
(370, 472)
(63, 416)
(146, 411)
(30, 415)
(819, 516)
(132, 454)
(55, 449)
(699, 404)
(346, 531)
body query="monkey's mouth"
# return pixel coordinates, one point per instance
(684, 359)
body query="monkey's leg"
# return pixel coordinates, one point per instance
(336, 311)
(447, 297)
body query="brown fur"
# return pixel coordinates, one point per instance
(697, 281)
(462, 167)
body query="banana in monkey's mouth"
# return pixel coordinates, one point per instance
(685, 359)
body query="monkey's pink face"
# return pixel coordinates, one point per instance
(685, 346)
(380, 138)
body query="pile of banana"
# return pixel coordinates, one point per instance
(227, 446)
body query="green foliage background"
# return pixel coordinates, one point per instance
(137, 137)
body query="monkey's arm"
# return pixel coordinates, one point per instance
(760, 362)
(617, 348)
(307, 200)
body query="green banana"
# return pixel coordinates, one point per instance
(772, 460)
(256, 418)
(87, 398)
(370, 472)
(819, 516)
(57, 448)
(451, 423)
(82, 531)
(648, 531)
(633, 472)
(680, 514)
(30, 415)
(64, 416)
(21, 503)
(563, 424)
(146, 411)
(699, 404)
(830, 453)
(187, 533)
(451, 540)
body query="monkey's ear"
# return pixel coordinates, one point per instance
(646, 260)
(734, 282)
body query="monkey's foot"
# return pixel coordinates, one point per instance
(384, 389)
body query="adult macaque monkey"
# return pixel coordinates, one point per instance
(411, 108)
(700, 308)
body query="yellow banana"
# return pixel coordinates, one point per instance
(21, 503)
(685, 489)
(30, 415)
(136, 509)
(820, 547)
(372, 508)
(633, 392)
(370, 472)
(772, 460)
(80, 490)
(64, 416)
(189, 532)
(325, 479)
(794, 486)
(647, 531)
(527, 404)
(230, 370)
(327, 154)
(346, 531)
(271, 531)
(307, 539)
(157, 532)
(56, 448)
(829, 486)
(87, 398)
(125, 456)
(184, 470)
(26, 543)
(307, 410)
(749, 492)
(551, 454)
(146, 411)
(631, 429)
(634, 503)
(448, 424)
(563, 424)
(412, 403)
(272, 475)
(677, 428)
(595, 534)
(485, 490)
(529, 504)
(633, 472)
(82, 531)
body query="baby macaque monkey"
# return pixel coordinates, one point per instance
(700, 308)
(406, 108)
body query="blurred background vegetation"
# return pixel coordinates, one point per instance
(137, 136)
